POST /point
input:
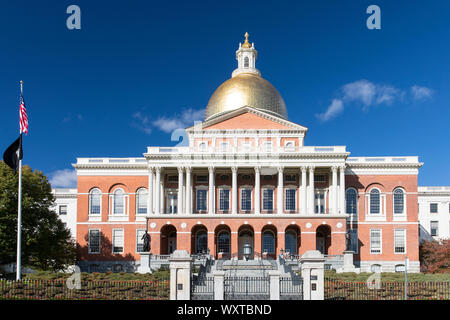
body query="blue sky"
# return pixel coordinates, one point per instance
(138, 68)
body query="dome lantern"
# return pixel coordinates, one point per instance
(246, 56)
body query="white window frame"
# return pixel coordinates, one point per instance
(205, 188)
(59, 209)
(288, 147)
(246, 188)
(246, 146)
(119, 216)
(202, 145)
(286, 188)
(138, 239)
(99, 241)
(137, 201)
(224, 187)
(273, 198)
(267, 145)
(437, 207)
(90, 202)
(113, 238)
(437, 228)
(403, 214)
(381, 241)
(224, 145)
(404, 240)
(375, 216)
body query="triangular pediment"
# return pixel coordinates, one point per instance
(248, 118)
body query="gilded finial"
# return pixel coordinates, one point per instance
(246, 43)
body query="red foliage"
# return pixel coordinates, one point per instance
(435, 256)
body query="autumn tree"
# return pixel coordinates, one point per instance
(435, 256)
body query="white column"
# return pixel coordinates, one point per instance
(188, 191)
(311, 190)
(234, 189)
(335, 190)
(180, 190)
(158, 191)
(211, 191)
(150, 191)
(280, 189)
(342, 189)
(161, 204)
(303, 199)
(257, 191)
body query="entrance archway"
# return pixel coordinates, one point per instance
(199, 239)
(245, 235)
(168, 239)
(222, 241)
(323, 238)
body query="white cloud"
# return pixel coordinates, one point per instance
(369, 93)
(335, 108)
(65, 178)
(142, 122)
(185, 119)
(421, 93)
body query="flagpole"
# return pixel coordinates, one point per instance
(19, 208)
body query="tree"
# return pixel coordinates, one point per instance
(435, 256)
(46, 241)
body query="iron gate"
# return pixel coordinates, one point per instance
(246, 288)
(291, 288)
(202, 288)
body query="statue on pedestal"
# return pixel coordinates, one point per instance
(146, 237)
(348, 242)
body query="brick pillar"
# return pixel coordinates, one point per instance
(184, 241)
(281, 242)
(155, 242)
(234, 242)
(211, 246)
(257, 242)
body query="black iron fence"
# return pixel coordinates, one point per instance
(89, 290)
(246, 288)
(202, 288)
(387, 290)
(291, 288)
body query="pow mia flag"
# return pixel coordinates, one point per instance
(13, 154)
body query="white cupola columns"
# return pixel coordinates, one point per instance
(234, 187)
(246, 56)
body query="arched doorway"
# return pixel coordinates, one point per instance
(323, 238)
(222, 241)
(168, 239)
(199, 239)
(292, 239)
(245, 235)
(269, 241)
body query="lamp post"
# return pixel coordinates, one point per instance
(247, 249)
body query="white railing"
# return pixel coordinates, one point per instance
(111, 161)
(413, 159)
(262, 149)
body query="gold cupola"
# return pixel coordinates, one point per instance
(246, 88)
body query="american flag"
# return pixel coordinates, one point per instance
(23, 116)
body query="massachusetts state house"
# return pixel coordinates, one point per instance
(246, 177)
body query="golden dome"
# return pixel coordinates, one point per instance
(246, 89)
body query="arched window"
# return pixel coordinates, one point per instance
(223, 242)
(141, 201)
(268, 244)
(95, 201)
(201, 244)
(351, 201)
(374, 201)
(246, 63)
(399, 201)
(119, 202)
(375, 268)
(290, 238)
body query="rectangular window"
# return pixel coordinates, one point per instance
(201, 200)
(224, 200)
(63, 209)
(399, 240)
(375, 240)
(117, 240)
(319, 206)
(139, 241)
(267, 146)
(290, 178)
(224, 146)
(434, 228)
(319, 178)
(290, 199)
(172, 179)
(268, 199)
(94, 241)
(433, 208)
(246, 199)
(202, 178)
